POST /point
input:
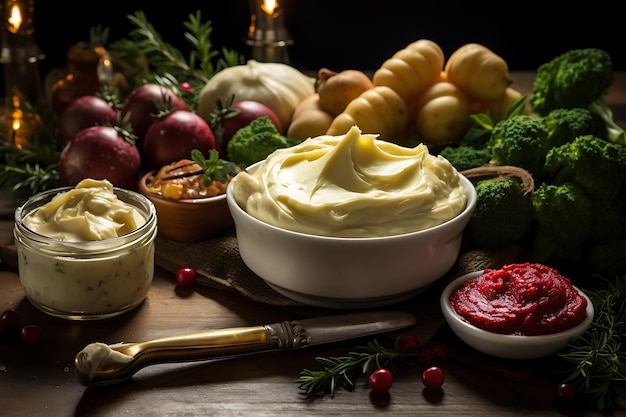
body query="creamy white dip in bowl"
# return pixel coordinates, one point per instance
(86, 256)
(366, 263)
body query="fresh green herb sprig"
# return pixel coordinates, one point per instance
(32, 168)
(596, 361)
(342, 371)
(16, 177)
(485, 120)
(213, 168)
(168, 65)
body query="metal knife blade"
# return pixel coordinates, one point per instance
(334, 328)
(102, 364)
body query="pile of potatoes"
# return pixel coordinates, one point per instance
(416, 95)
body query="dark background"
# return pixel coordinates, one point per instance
(353, 34)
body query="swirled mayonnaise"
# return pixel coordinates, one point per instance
(99, 357)
(351, 186)
(90, 211)
(84, 253)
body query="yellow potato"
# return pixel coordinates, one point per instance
(439, 89)
(379, 110)
(443, 120)
(337, 89)
(479, 72)
(309, 120)
(411, 70)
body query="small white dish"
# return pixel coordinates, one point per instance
(505, 345)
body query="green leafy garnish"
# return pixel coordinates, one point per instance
(213, 168)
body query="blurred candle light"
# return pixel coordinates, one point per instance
(17, 124)
(20, 18)
(20, 53)
(15, 19)
(19, 56)
(267, 34)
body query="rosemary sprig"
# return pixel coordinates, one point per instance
(342, 371)
(34, 178)
(168, 64)
(32, 168)
(597, 359)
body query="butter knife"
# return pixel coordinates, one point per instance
(103, 364)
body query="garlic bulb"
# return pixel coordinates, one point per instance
(279, 86)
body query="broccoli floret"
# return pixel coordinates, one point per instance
(573, 79)
(564, 125)
(596, 165)
(520, 141)
(577, 78)
(465, 157)
(564, 216)
(471, 151)
(256, 141)
(476, 136)
(503, 213)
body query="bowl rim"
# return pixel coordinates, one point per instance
(450, 314)
(143, 189)
(466, 212)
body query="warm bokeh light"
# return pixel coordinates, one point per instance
(18, 134)
(15, 19)
(16, 124)
(269, 6)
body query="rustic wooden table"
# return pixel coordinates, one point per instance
(40, 381)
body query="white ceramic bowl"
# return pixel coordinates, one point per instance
(337, 272)
(504, 345)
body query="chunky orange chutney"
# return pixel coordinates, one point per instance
(183, 180)
(520, 299)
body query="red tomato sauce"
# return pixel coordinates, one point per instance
(520, 299)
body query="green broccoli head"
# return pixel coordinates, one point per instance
(255, 142)
(503, 213)
(520, 141)
(594, 164)
(465, 157)
(576, 78)
(564, 216)
(476, 136)
(564, 125)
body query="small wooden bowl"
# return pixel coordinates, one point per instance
(190, 220)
